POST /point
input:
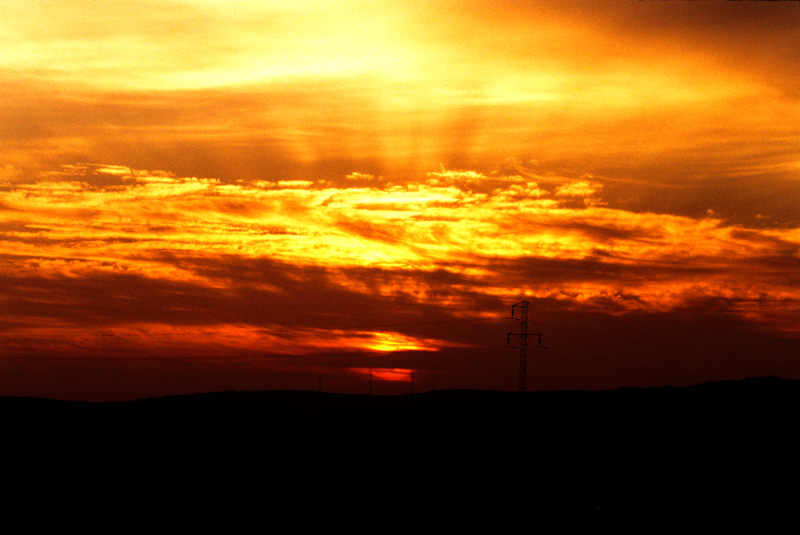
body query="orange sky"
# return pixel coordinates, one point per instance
(285, 192)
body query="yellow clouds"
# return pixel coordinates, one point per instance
(494, 234)
(451, 216)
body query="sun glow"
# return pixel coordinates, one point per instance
(385, 374)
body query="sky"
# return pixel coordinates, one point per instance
(350, 196)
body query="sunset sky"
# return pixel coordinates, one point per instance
(199, 195)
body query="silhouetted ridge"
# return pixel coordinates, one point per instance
(716, 446)
(755, 402)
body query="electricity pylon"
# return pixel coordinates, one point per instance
(523, 340)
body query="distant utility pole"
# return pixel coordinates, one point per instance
(523, 340)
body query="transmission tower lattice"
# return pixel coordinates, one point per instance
(523, 340)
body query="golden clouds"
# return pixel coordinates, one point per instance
(467, 223)
(458, 215)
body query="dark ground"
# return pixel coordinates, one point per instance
(448, 459)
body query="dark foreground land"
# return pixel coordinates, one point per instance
(450, 458)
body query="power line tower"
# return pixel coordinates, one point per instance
(523, 340)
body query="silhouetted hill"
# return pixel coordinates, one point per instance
(722, 446)
(752, 401)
